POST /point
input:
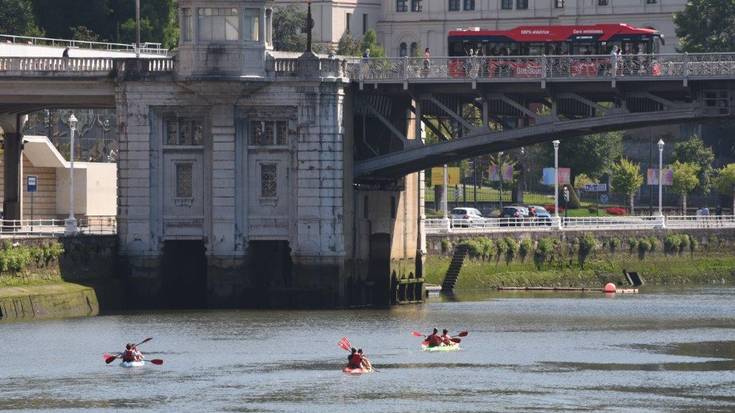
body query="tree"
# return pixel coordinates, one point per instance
(685, 180)
(16, 17)
(706, 26)
(370, 42)
(725, 182)
(581, 180)
(83, 33)
(627, 179)
(348, 46)
(591, 155)
(289, 22)
(693, 151)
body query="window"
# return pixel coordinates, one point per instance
(393, 207)
(184, 180)
(364, 23)
(453, 5)
(348, 17)
(181, 131)
(469, 5)
(268, 180)
(269, 26)
(559, 4)
(268, 133)
(251, 28)
(602, 2)
(186, 26)
(416, 5)
(219, 24)
(401, 5)
(507, 4)
(650, 1)
(521, 4)
(414, 50)
(403, 50)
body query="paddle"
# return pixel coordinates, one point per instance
(109, 358)
(345, 345)
(460, 334)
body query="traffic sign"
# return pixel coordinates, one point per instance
(603, 199)
(31, 183)
(595, 188)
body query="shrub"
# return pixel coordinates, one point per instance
(544, 253)
(474, 248)
(500, 248)
(643, 247)
(713, 242)
(511, 249)
(632, 244)
(613, 244)
(671, 244)
(445, 246)
(525, 248)
(616, 211)
(693, 244)
(488, 248)
(683, 243)
(653, 241)
(587, 245)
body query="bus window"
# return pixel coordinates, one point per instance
(455, 48)
(656, 45)
(535, 49)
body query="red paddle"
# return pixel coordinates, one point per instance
(460, 334)
(344, 344)
(109, 358)
(157, 362)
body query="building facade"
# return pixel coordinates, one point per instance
(407, 25)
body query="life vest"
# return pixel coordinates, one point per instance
(434, 340)
(356, 361)
(128, 356)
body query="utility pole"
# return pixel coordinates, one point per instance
(137, 29)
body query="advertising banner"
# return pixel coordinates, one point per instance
(437, 176)
(507, 173)
(668, 176)
(564, 174)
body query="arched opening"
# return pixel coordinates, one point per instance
(402, 50)
(414, 49)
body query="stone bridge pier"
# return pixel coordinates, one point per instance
(11, 125)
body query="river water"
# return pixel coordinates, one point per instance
(659, 351)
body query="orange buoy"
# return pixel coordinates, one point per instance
(609, 288)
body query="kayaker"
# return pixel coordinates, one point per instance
(353, 351)
(366, 364)
(355, 361)
(433, 339)
(128, 355)
(446, 338)
(137, 355)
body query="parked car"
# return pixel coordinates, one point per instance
(465, 217)
(513, 215)
(540, 215)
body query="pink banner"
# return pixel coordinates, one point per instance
(507, 173)
(668, 176)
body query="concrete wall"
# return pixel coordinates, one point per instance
(44, 199)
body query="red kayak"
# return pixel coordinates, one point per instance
(361, 370)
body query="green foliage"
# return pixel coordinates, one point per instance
(474, 248)
(16, 17)
(693, 151)
(489, 248)
(706, 26)
(545, 251)
(672, 243)
(348, 46)
(587, 245)
(614, 244)
(685, 177)
(643, 247)
(590, 155)
(289, 22)
(19, 258)
(84, 34)
(581, 180)
(725, 181)
(511, 249)
(445, 245)
(370, 42)
(525, 248)
(632, 244)
(684, 243)
(626, 178)
(654, 243)
(693, 244)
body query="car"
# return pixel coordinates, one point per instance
(540, 215)
(465, 216)
(513, 215)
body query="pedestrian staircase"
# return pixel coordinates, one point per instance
(450, 279)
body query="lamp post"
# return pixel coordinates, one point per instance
(137, 29)
(500, 175)
(71, 222)
(556, 178)
(660, 176)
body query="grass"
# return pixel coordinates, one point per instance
(655, 269)
(56, 287)
(20, 280)
(487, 194)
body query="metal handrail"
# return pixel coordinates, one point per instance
(88, 225)
(488, 225)
(148, 47)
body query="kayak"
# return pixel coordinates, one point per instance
(443, 347)
(130, 364)
(361, 370)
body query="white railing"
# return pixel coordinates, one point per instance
(90, 225)
(487, 225)
(580, 67)
(76, 66)
(146, 48)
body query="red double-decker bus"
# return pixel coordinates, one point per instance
(595, 39)
(529, 41)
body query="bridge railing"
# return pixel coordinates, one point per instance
(25, 65)
(146, 48)
(89, 225)
(578, 67)
(490, 225)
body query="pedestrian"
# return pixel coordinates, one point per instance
(427, 60)
(614, 55)
(65, 53)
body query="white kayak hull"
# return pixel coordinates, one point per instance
(443, 347)
(131, 364)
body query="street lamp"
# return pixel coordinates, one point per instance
(500, 174)
(556, 178)
(71, 222)
(660, 176)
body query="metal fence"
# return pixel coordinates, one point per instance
(28, 228)
(492, 225)
(145, 48)
(578, 67)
